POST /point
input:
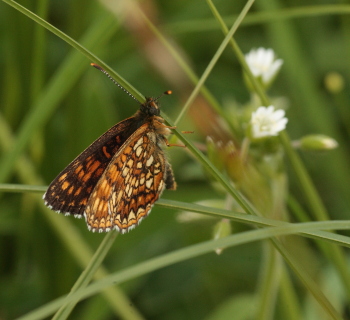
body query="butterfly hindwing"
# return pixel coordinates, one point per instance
(70, 190)
(132, 182)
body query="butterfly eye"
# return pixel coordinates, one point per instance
(152, 111)
(150, 108)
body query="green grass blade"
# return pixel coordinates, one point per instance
(214, 60)
(71, 238)
(221, 213)
(182, 255)
(259, 17)
(87, 274)
(67, 75)
(313, 198)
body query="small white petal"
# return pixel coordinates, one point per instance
(272, 70)
(277, 115)
(270, 110)
(263, 63)
(280, 125)
(267, 122)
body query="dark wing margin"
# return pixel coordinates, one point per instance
(69, 191)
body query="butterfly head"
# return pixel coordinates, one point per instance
(151, 106)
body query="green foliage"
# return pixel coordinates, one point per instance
(53, 104)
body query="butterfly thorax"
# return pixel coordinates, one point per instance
(149, 113)
(150, 108)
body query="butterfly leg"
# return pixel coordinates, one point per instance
(175, 145)
(172, 144)
(169, 127)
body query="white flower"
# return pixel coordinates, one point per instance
(267, 122)
(263, 63)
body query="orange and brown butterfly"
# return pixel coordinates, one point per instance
(115, 182)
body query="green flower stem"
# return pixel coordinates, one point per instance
(307, 280)
(300, 74)
(269, 282)
(37, 68)
(255, 220)
(88, 273)
(118, 301)
(334, 253)
(217, 213)
(241, 200)
(296, 209)
(183, 255)
(262, 221)
(311, 194)
(74, 242)
(240, 56)
(11, 1)
(289, 298)
(184, 67)
(317, 208)
(314, 200)
(20, 188)
(245, 149)
(259, 17)
(214, 60)
(101, 30)
(107, 23)
(200, 157)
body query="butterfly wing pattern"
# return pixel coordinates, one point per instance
(117, 179)
(69, 192)
(132, 182)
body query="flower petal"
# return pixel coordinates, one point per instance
(263, 63)
(266, 121)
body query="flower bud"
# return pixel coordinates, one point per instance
(221, 230)
(334, 82)
(317, 142)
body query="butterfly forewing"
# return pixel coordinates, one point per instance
(132, 182)
(69, 192)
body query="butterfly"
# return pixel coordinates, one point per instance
(115, 182)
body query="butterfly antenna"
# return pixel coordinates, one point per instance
(166, 92)
(114, 81)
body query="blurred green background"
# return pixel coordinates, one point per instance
(77, 104)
